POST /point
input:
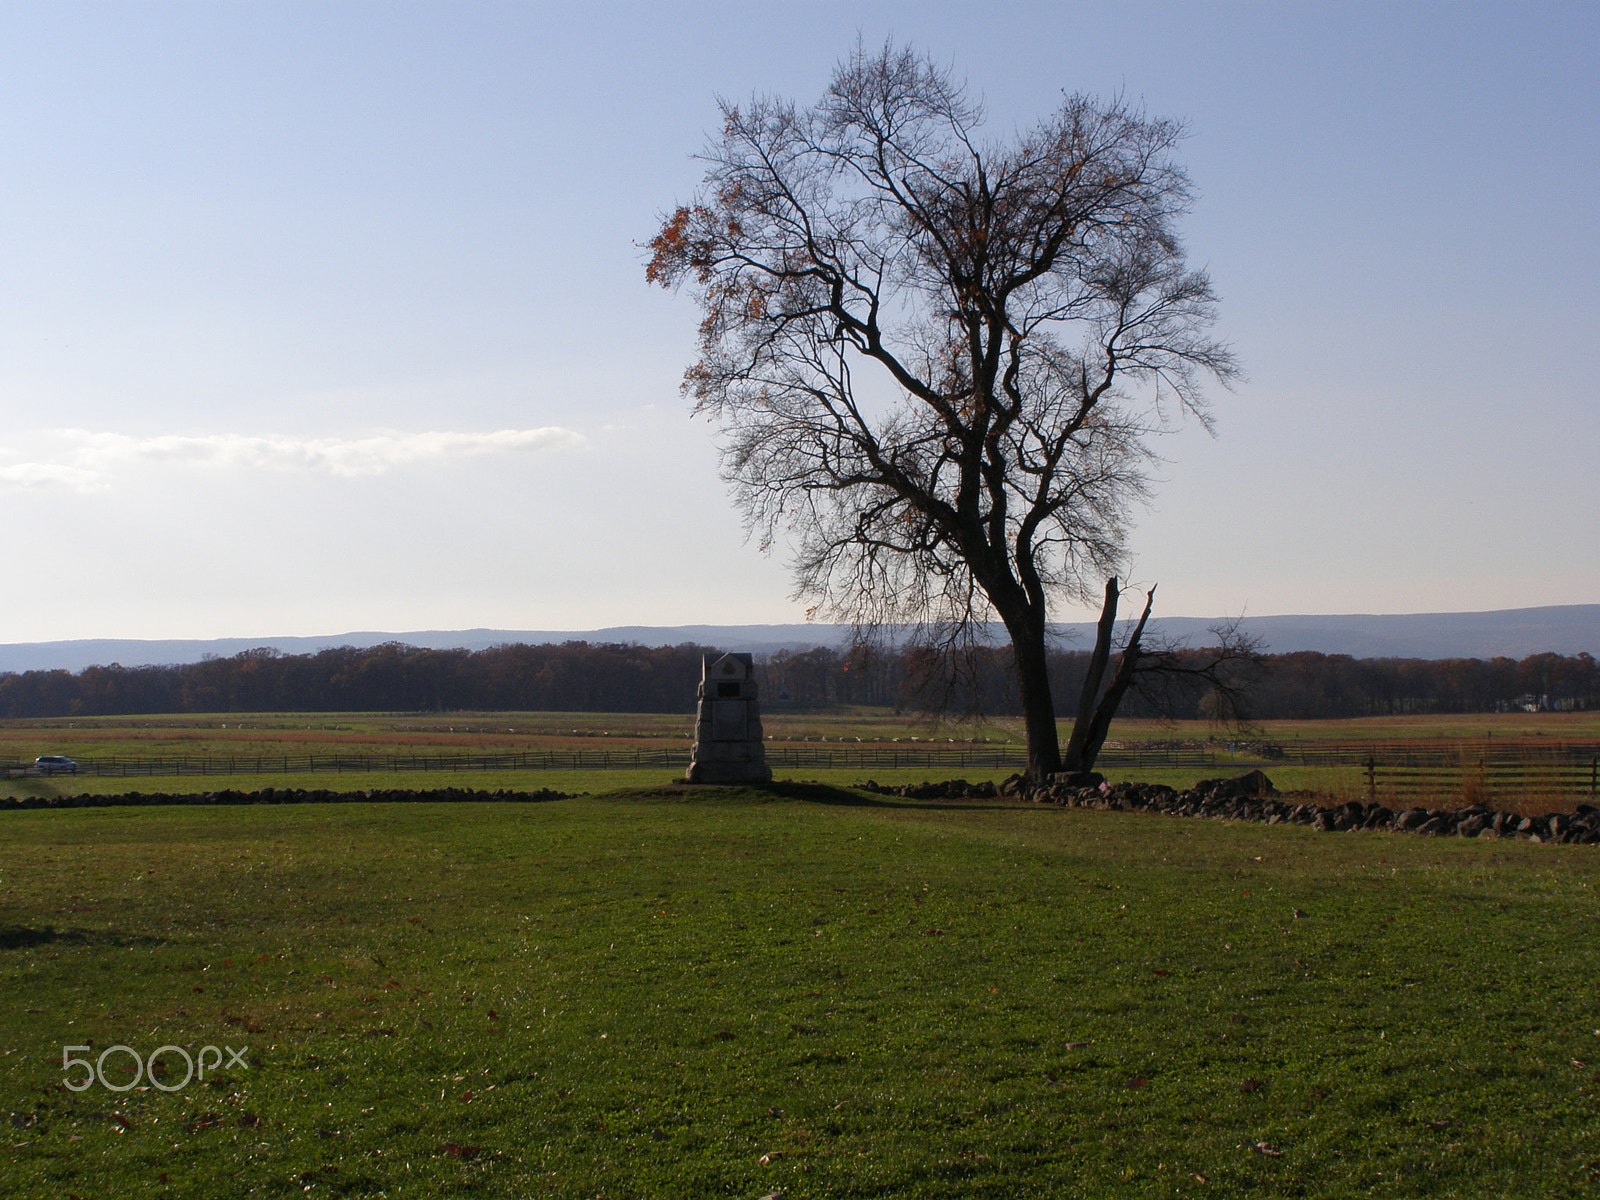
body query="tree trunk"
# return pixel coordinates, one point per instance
(1094, 711)
(1038, 707)
(1127, 667)
(1074, 759)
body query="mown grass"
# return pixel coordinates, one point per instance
(1324, 785)
(275, 738)
(570, 782)
(1332, 781)
(727, 992)
(269, 735)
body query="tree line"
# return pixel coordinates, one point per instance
(1303, 685)
(593, 677)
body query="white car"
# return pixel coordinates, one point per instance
(51, 764)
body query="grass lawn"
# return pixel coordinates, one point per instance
(575, 782)
(1329, 785)
(272, 734)
(744, 991)
(288, 739)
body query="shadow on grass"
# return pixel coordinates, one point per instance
(822, 793)
(810, 793)
(15, 937)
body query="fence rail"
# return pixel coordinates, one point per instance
(1472, 771)
(1476, 770)
(838, 756)
(1420, 753)
(1484, 783)
(525, 760)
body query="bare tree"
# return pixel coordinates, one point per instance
(1166, 674)
(936, 359)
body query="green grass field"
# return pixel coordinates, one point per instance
(284, 738)
(291, 733)
(730, 992)
(1332, 781)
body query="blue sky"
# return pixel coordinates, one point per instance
(323, 317)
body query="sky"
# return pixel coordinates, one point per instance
(332, 316)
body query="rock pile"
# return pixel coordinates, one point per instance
(1252, 797)
(286, 796)
(953, 789)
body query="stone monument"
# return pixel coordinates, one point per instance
(727, 724)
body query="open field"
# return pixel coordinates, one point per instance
(1527, 762)
(229, 732)
(794, 989)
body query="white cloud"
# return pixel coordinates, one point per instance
(84, 461)
(44, 475)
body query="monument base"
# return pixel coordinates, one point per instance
(728, 772)
(728, 744)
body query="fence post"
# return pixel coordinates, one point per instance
(1372, 778)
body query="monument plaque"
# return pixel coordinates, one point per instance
(727, 727)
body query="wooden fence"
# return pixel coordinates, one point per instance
(1453, 772)
(1394, 772)
(845, 757)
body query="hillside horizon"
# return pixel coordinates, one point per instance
(1511, 633)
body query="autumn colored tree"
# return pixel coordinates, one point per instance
(937, 358)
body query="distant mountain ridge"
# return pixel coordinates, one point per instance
(1511, 633)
